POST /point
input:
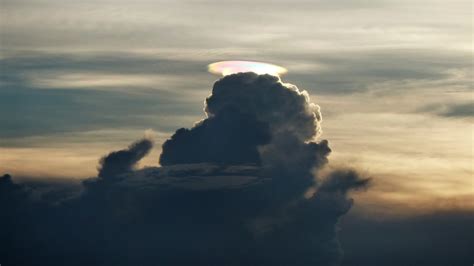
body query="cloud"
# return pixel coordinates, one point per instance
(385, 71)
(230, 191)
(455, 110)
(123, 161)
(246, 112)
(343, 180)
(175, 215)
(369, 25)
(231, 137)
(460, 110)
(23, 73)
(35, 110)
(444, 237)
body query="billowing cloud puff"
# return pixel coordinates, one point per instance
(246, 112)
(231, 137)
(230, 191)
(123, 161)
(284, 107)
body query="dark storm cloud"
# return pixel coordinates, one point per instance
(232, 191)
(8, 188)
(247, 112)
(174, 215)
(123, 161)
(285, 108)
(228, 138)
(439, 238)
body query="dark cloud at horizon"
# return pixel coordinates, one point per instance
(438, 238)
(445, 238)
(241, 187)
(232, 190)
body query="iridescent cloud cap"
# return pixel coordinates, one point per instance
(225, 68)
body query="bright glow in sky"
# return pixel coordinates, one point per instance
(231, 67)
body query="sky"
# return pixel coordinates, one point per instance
(393, 80)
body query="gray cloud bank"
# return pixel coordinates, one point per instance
(439, 238)
(456, 110)
(35, 85)
(231, 191)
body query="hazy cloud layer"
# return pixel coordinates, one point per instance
(454, 110)
(90, 88)
(205, 25)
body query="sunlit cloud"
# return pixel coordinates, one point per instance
(225, 68)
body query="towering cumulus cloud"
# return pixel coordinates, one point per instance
(253, 119)
(232, 190)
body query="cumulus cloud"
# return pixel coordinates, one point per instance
(231, 137)
(230, 191)
(123, 161)
(256, 119)
(245, 111)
